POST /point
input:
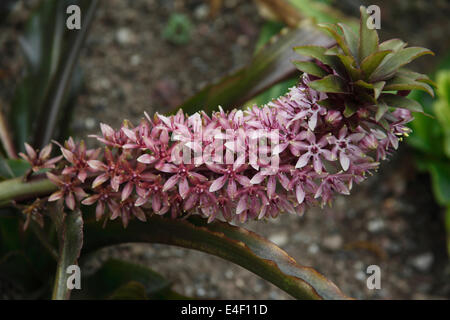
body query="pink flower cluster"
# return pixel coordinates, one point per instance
(319, 153)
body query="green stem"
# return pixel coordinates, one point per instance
(17, 189)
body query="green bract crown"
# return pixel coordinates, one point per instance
(359, 72)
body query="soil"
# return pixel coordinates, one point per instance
(391, 220)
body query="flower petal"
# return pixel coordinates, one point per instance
(218, 183)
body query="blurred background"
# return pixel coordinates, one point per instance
(153, 55)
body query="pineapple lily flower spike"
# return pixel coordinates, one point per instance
(348, 112)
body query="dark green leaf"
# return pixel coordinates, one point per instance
(232, 243)
(352, 40)
(71, 242)
(368, 38)
(405, 83)
(310, 68)
(394, 61)
(61, 82)
(330, 83)
(130, 291)
(115, 275)
(332, 30)
(315, 52)
(363, 84)
(350, 68)
(396, 101)
(350, 109)
(371, 62)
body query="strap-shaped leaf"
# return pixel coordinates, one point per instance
(395, 60)
(71, 241)
(371, 62)
(397, 101)
(115, 277)
(363, 84)
(330, 83)
(378, 87)
(381, 110)
(349, 64)
(416, 76)
(315, 52)
(310, 68)
(368, 38)
(351, 39)
(405, 83)
(392, 44)
(231, 243)
(339, 38)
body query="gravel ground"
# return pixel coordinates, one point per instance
(390, 220)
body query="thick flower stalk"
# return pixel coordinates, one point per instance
(347, 113)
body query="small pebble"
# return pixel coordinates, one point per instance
(423, 262)
(375, 225)
(313, 249)
(125, 36)
(332, 242)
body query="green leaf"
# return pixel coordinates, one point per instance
(426, 135)
(268, 30)
(350, 68)
(231, 243)
(416, 76)
(130, 291)
(394, 61)
(310, 68)
(321, 12)
(405, 83)
(70, 243)
(351, 39)
(381, 110)
(23, 260)
(332, 30)
(368, 38)
(442, 111)
(316, 52)
(396, 101)
(363, 84)
(371, 62)
(274, 92)
(271, 65)
(392, 44)
(350, 109)
(44, 45)
(447, 227)
(114, 277)
(378, 88)
(440, 173)
(330, 83)
(61, 82)
(12, 168)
